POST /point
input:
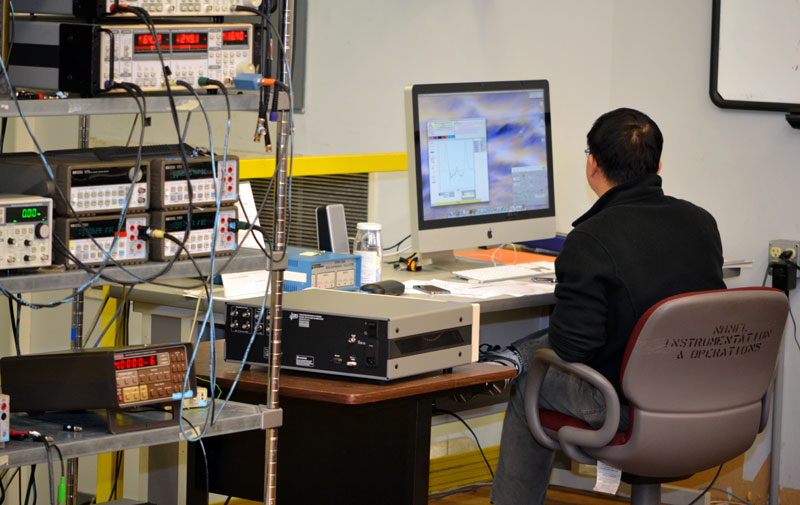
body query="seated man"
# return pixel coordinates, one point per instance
(632, 249)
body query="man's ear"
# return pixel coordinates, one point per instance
(593, 167)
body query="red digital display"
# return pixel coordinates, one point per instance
(187, 38)
(189, 41)
(144, 43)
(133, 363)
(234, 37)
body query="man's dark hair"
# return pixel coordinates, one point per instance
(626, 144)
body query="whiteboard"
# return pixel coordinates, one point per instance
(755, 54)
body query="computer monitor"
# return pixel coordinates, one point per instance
(480, 165)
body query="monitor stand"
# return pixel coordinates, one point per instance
(447, 261)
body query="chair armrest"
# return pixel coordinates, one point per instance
(570, 439)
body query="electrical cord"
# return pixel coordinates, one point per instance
(283, 63)
(113, 318)
(31, 485)
(218, 391)
(266, 71)
(117, 467)
(50, 471)
(397, 244)
(745, 502)
(4, 486)
(202, 449)
(249, 345)
(453, 414)
(14, 325)
(144, 16)
(466, 489)
(707, 487)
(182, 246)
(50, 173)
(784, 260)
(133, 127)
(209, 293)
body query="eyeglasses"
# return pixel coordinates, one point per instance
(587, 152)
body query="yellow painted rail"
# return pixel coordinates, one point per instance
(254, 168)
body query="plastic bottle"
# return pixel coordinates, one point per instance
(367, 244)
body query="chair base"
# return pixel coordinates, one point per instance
(646, 494)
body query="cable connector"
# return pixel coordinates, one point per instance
(256, 81)
(62, 490)
(260, 129)
(32, 434)
(783, 275)
(146, 233)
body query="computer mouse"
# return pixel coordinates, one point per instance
(387, 287)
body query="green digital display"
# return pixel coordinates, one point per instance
(200, 221)
(98, 229)
(26, 214)
(203, 170)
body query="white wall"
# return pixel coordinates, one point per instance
(597, 55)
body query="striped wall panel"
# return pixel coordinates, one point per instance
(312, 191)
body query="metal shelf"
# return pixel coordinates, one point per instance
(95, 439)
(123, 104)
(245, 260)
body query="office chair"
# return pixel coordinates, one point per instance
(696, 376)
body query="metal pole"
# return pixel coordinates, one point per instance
(83, 131)
(276, 308)
(77, 332)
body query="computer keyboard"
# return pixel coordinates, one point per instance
(495, 273)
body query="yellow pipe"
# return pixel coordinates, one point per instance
(106, 462)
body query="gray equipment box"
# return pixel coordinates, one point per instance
(169, 186)
(199, 243)
(104, 229)
(360, 335)
(92, 186)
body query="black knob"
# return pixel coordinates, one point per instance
(27, 242)
(11, 241)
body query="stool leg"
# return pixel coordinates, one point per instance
(646, 494)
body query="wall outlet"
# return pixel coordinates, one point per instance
(776, 247)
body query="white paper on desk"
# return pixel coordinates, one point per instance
(486, 289)
(219, 294)
(245, 284)
(249, 204)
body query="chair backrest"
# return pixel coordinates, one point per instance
(694, 373)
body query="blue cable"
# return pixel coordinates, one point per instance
(49, 171)
(269, 276)
(210, 310)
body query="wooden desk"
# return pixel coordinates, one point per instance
(341, 441)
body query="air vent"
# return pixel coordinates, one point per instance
(312, 191)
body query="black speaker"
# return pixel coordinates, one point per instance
(332, 229)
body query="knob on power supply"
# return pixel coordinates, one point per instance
(42, 230)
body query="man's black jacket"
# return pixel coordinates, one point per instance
(632, 249)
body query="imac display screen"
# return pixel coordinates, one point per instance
(483, 153)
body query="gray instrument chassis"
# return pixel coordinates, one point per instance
(363, 335)
(169, 186)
